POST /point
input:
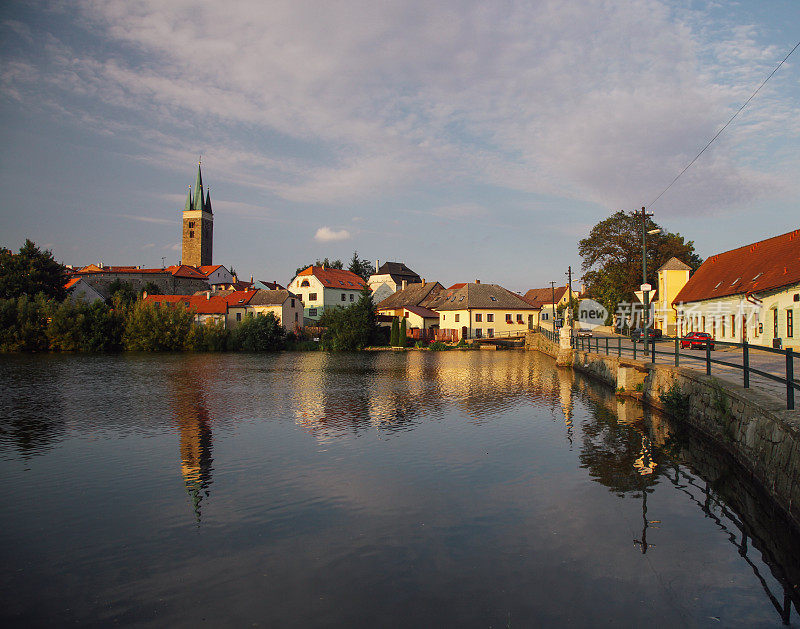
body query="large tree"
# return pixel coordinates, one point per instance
(29, 272)
(612, 257)
(359, 266)
(351, 328)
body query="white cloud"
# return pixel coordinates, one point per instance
(334, 102)
(326, 234)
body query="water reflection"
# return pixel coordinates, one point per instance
(194, 431)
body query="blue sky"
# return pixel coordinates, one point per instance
(467, 139)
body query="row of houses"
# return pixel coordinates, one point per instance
(750, 293)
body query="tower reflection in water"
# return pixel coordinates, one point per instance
(195, 438)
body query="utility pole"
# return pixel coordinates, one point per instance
(569, 295)
(645, 293)
(553, 289)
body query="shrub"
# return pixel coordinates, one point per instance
(438, 346)
(153, 328)
(262, 333)
(394, 336)
(402, 335)
(675, 401)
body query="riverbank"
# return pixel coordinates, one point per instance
(754, 428)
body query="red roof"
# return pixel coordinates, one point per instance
(177, 270)
(185, 271)
(208, 269)
(457, 286)
(335, 278)
(201, 304)
(72, 282)
(538, 297)
(762, 266)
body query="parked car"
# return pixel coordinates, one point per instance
(584, 332)
(638, 334)
(697, 340)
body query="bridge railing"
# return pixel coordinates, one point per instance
(611, 345)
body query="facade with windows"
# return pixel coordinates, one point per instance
(747, 294)
(478, 310)
(319, 288)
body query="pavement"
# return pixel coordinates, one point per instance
(760, 359)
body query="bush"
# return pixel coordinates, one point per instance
(394, 336)
(402, 335)
(153, 328)
(262, 333)
(438, 346)
(211, 336)
(351, 328)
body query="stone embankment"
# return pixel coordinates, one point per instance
(755, 429)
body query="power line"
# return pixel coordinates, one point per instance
(752, 96)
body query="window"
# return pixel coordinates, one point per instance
(191, 233)
(543, 316)
(490, 332)
(789, 323)
(405, 314)
(490, 317)
(312, 297)
(704, 323)
(344, 297)
(457, 318)
(312, 312)
(519, 318)
(238, 316)
(305, 283)
(191, 224)
(492, 297)
(722, 325)
(352, 297)
(733, 325)
(478, 317)
(508, 317)
(444, 317)
(292, 303)
(478, 333)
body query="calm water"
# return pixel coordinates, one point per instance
(458, 489)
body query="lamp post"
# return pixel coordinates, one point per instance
(553, 289)
(645, 286)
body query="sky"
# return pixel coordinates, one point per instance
(469, 139)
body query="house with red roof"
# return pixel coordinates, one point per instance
(79, 289)
(320, 288)
(173, 280)
(750, 293)
(546, 302)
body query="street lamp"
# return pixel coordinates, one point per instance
(645, 286)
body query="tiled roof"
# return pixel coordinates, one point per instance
(201, 304)
(426, 313)
(487, 296)
(182, 270)
(673, 264)
(756, 268)
(413, 295)
(538, 297)
(72, 282)
(456, 286)
(335, 278)
(397, 270)
(268, 285)
(269, 297)
(208, 269)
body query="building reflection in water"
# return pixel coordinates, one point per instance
(195, 438)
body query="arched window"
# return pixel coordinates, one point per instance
(305, 283)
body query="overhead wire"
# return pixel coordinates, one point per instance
(717, 134)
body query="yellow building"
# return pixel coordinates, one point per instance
(484, 311)
(415, 303)
(672, 277)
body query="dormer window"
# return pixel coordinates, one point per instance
(492, 297)
(757, 276)
(733, 283)
(304, 283)
(718, 285)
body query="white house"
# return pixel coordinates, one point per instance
(320, 288)
(389, 278)
(751, 293)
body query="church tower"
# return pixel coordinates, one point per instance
(198, 226)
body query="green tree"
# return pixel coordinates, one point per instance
(612, 257)
(361, 267)
(150, 327)
(336, 264)
(23, 323)
(402, 336)
(351, 328)
(260, 333)
(122, 292)
(29, 272)
(395, 333)
(211, 336)
(151, 289)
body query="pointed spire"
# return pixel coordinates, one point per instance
(207, 207)
(198, 189)
(188, 206)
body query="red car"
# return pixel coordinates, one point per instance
(697, 340)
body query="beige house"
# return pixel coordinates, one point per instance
(321, 288)
(389, 278)
(484, 311)
(415, 303)
(546, 302)
(751, 294)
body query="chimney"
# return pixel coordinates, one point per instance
(403, 284)
(423, 281)
(477, 281)
(208, 294)
(377, 265)
(144, 295)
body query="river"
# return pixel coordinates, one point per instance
(418, 489)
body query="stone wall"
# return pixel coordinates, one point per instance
(755, 429)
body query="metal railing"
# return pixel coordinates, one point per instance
(550, 335)
(614, 345)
